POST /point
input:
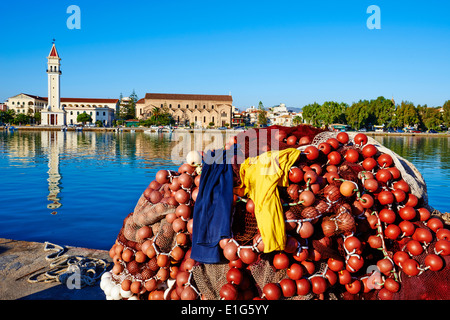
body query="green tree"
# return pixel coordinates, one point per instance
(383, 111)
(127, 111)
(311, 113)
(446, 114)
(358, 115)
(131, 105)
(156, 113)
(37, 117)
(262, 114)
(297, 120)
(406, 115)
(160, 117)
(332, 112)
(7, 116)
(84, 117)
(430, 118)
(22, 119)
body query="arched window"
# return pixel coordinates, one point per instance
(204, 107)
(195, 118)
(170, 106)
(195, 107)
(204, 119)
(179, 106)
(212, 107)
(161, 105)
(187, 106)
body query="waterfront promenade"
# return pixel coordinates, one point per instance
(142, 129)
(21, 259)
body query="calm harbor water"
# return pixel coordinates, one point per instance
(75, 188)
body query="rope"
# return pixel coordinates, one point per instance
(84, 271)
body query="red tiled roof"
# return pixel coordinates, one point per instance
(35, 97)
(85, 100)
(92, 100)
(53, 52)
(177, 96)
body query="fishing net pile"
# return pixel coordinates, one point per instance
(356, 224)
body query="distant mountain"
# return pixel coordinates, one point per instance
(294, 109)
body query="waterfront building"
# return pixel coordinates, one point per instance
(58, 111)
(284, 120)
(102, 110)
(26, 103)
(239, 119)
(198, 110)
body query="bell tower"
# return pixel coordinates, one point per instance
(54, 114)
(54, 74)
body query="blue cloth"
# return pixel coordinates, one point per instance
(213, 207)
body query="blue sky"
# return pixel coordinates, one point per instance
(292, 52)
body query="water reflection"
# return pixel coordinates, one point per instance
(56, 149)
(53, 141)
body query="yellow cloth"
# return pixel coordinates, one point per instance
(260, 177)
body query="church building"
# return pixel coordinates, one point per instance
(199, 110)
(57, 111)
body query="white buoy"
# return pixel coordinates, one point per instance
(125, 294)
(108, 287)
(104, 282)
(193, 158)
(105, 275)
(115, 293)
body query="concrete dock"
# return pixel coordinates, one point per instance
(21, 259)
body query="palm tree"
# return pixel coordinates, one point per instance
(156, 112)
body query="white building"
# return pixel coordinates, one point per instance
(284, 120)
(99, 109)
(57, 111)
(280, 109)
(26, 103)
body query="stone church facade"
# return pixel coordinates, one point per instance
(189, 109)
